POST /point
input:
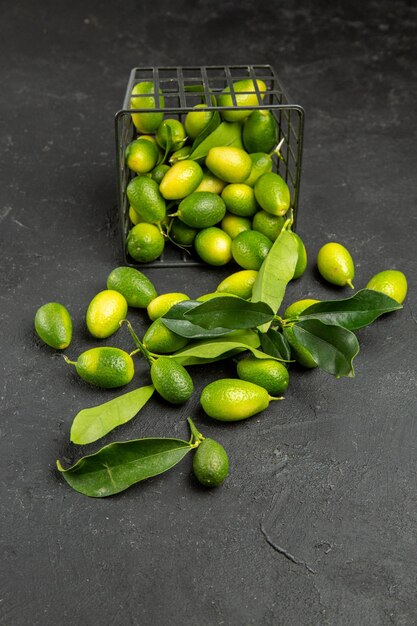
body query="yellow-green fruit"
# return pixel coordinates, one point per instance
(336, 265)
(197, 120)
(272, 193)
(161, 340)
(104, 313)
(210, 182)
(213, 246)
(201, 209)
(180, 154)
(53, 325)
(181, 180)
(105, 367)
(250, 248)
(232, 399)
(141, 156)
(234, 224)
(133, 216)
(170, 133)
(210, 463)
(296, 308)
(261, 164)
(240, 199)
(161, 305)
(214, 294)
(301, 266)
(145, 198)
(229, 163)
(260, 131)
(267, 373)
(146, 122)
(133, 285)
(181, 233)
(159, 172)
(145, 242)
(267, 224)
(239, 283)
(392, 283)
(246, 96)
(171, 380)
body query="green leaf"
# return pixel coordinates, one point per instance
(95, 422)
(211, 126)
(203, 352)
(117, 466)
(174, 320)
(275, 273)
(226, 134)
(275, 344)
(352, 313)
(230, 312)
(332, 347)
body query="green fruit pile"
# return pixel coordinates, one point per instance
(205, 179)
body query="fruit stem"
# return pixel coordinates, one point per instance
(67, 360)
(279, 398)
(195, 434)
(349, 282)
(141, 347)
(277, 149)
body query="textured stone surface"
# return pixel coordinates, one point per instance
(316, 522)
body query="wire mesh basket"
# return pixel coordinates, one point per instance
(183, 88)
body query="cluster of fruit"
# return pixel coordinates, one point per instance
(207, 182)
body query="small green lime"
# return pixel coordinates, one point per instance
(267, 224)
(234, 224)
(133, 285)
(229, 163)
(261, 164)
(240, 199)
(105, 367)
(260, 131)
(336, 265)
(213, 246)
(53, 325)
(247, 93)
(159, 172)
(267, 373)
(143, 97)
(196, 121)
(298, 351)
(145, 242)
(210, 182)
(250, 248)
(296, 308)
(272, 193)
(181, 233)
(301, 266)
(215, 294)
(392, 283)
(104, 313)
(133, 216)
(171, 380)
(161, 340)
(201, 209)
(232, 399)
(210, 463)
(181, 180)
(145, 198)
(239, 283)
(171, 133)
(141, 156)
(161, 305)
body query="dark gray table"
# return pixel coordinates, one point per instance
(316, 522)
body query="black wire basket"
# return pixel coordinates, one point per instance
(183, 88)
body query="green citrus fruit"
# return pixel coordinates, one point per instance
(141, 156)
(267, 373)
(230, 399)
(170, 133)
(336, 265)
(210, 182)
(161, 305)
(250, 248)
(181, 180)
(214, 294)
(53, 325)
(210, 463)
(391, 282)
(146, 122)
(159, 172)
(104, 313)
(260, 131)
(133, 285)
(246, 96)
(240, 199)
(180, 155)
(171, 380)
(296, 308)
(298, 351)
(145, 198)
(133, 216)
(239, 283)
(196, 121)
(181, 233)
(261, 164)
(301, 266)
(213, 246)
(229, 163)
(201, 209)
(267, 224)
(105, 367)
(145, 242)
(234, 224)
(272, 193)
(161, 340)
